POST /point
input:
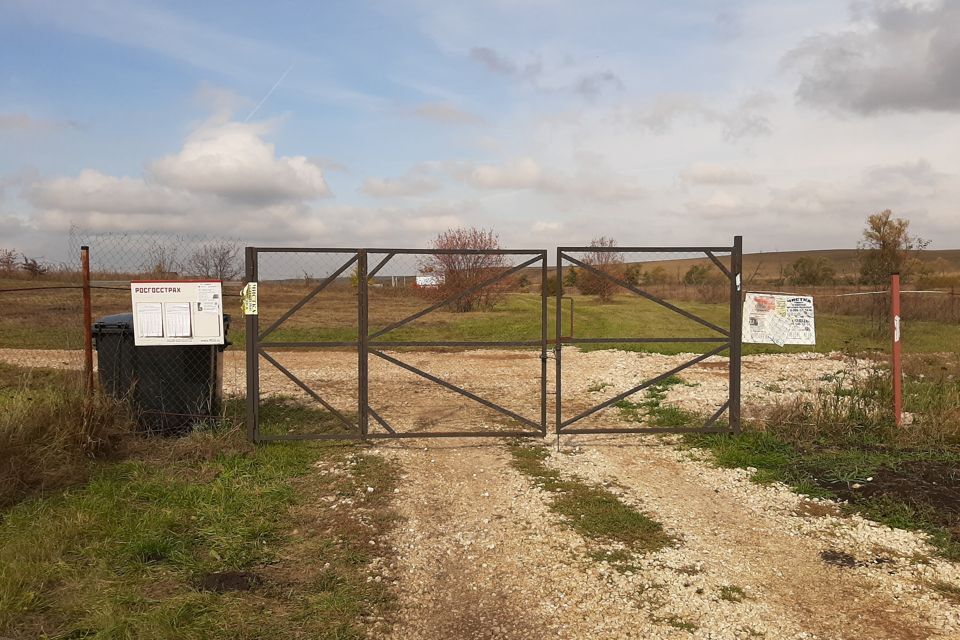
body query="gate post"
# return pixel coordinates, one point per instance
(252, 329)
(558, 344)
(736, 330)
(363, 332)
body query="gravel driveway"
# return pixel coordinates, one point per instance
(479, 555)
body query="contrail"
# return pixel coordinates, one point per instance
(264, 99)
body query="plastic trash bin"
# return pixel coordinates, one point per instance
(170, 387)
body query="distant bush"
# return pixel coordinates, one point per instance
(807, 271)
(607, 262)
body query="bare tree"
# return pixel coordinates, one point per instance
(219, 259)
(161, 260)
(455, 273)
(33, 266)
(604, 260)
(8, 260)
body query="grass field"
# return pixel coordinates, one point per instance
(201, 537)
(51, 321)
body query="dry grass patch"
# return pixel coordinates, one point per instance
(50, 431)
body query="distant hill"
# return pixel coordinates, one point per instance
(769, 266)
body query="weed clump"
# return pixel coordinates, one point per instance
(50, 431)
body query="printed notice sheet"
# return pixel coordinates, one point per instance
(780, 319)
(149, 319)
(176, 319)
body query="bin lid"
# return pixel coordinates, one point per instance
(117, 323)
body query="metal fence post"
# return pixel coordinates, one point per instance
(895, 364)
(558, 344)
(252, 328)
(363, 337)
(87, 322)
(736, 330)
(543, 343)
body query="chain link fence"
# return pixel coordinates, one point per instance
(42, 325)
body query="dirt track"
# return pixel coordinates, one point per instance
(479, 554)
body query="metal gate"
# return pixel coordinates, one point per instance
(373, 342)
(724, 339)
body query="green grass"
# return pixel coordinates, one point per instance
(732, 593)
(651, 410)
(816, 470)
(591, 510)
(676, 622)
(517, 318)
(124, 555)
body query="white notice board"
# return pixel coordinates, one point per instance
(772, 318)
(168, 312)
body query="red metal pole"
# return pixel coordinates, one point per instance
(87, 321)
(895, 364)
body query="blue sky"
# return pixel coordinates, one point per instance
(379, 123)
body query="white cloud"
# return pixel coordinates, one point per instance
(226, 180)
(416, 183)
(545, 226)
(700, 173)
(745, 118)
(899, 55)
(591, 180)
(232, 161)
(522, 173)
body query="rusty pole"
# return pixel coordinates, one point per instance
(895, 363)
(87, 321)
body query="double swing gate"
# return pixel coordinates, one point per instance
(358, 343)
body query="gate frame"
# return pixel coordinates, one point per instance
(367, 345)
(731, 342)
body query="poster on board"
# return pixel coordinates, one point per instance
(780, 319)
(181, 312)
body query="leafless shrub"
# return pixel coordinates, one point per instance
(219, 259)
(161, 261)
(457, 272)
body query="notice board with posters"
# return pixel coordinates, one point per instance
(181, 312)
(780, 319)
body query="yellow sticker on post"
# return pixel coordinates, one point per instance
(248, 299)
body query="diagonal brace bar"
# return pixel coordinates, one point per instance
(310, 392)
(456, 389)
(719, 264)
(383, 423)
(717, 413)
(648, 296)
(323, 285)
(641, 387)
(380, 265)
(462, 294)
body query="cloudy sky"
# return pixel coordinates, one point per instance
(381, 123)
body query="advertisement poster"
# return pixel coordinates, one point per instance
(780, 319)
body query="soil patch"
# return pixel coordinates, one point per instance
(838, 558)
(931, 487)
(221, 581)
